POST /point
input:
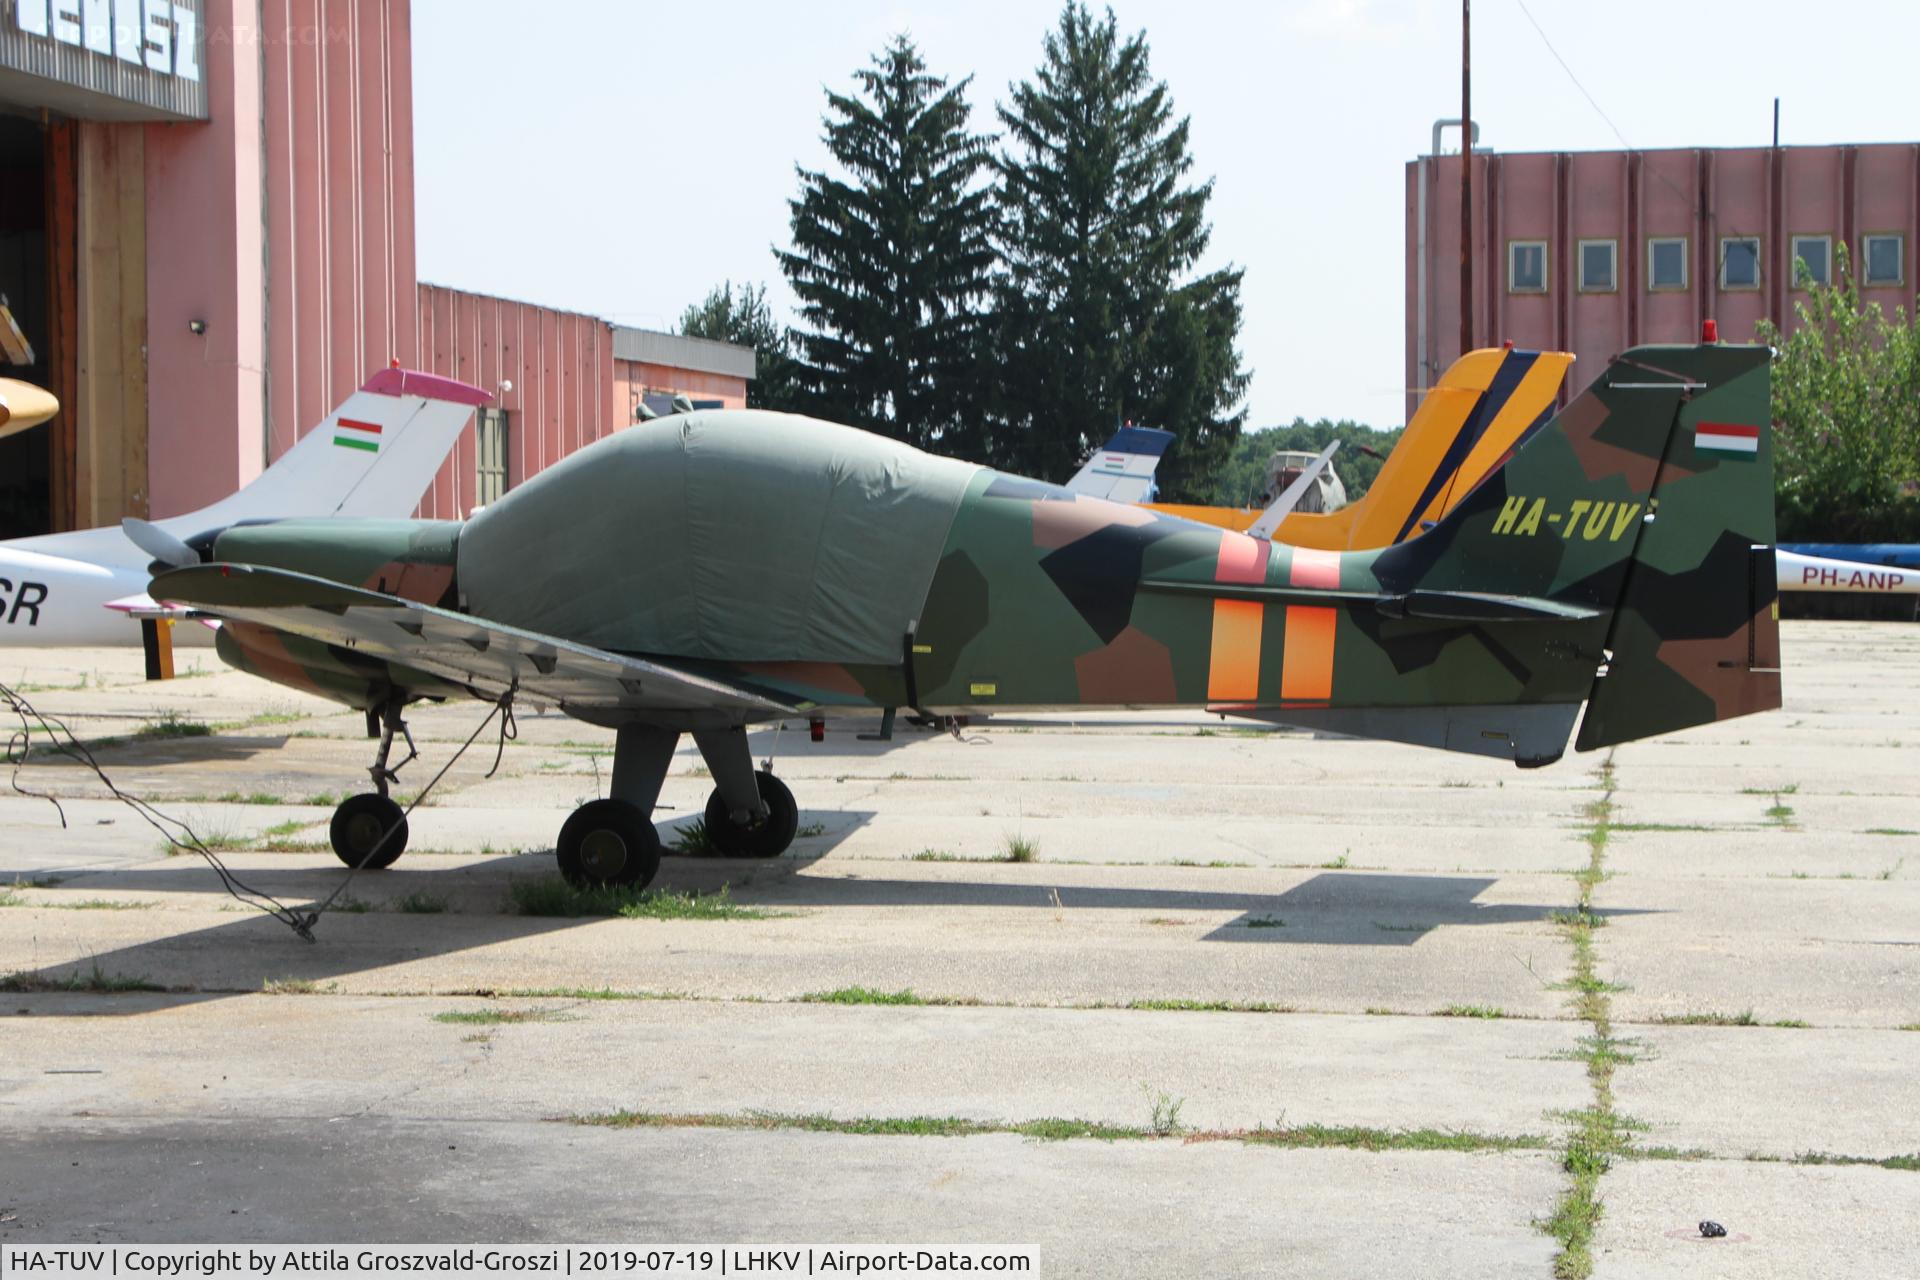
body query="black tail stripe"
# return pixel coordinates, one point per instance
(1506, 379)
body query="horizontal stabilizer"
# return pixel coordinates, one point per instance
(1529, 734)
(1448, 606)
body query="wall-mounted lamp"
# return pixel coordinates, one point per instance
(506, 387)
(197, 327)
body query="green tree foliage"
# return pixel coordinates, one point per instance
(1846, 416)
(1096, 323)
(891, 261)
(746, 320)
(1242, 478)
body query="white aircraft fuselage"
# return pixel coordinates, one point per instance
(373, 456)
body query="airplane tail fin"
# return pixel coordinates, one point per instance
(1122, 470)
(1468, 422)
(1648, 500)
(373, 456)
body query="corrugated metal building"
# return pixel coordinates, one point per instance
(1593, 252)
(207, 232)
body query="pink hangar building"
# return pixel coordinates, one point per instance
(1595, 251)
(207, 240)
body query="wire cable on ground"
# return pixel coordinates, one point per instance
(176, 832)
(173, 830)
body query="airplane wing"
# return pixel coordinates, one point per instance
(485, 657)
(1123, 470)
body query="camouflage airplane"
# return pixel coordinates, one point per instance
(709, 571)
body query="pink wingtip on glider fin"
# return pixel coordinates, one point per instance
(412, 382)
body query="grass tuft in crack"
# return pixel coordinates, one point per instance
(552, 896)
(1598, 1134)
(497, 1017)
(94, 980)
(1164, 1123)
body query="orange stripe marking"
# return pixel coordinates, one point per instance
(1306, 664)
(1233, 671)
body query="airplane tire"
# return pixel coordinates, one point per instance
(358, 825)
(767, 838)
(608, 843)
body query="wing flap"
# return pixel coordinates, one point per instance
(483, 656)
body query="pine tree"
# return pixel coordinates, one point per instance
(1095, 324)
(745, 319)
(891, 261)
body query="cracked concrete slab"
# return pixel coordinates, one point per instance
(1784, 1222)
(1739, 1091)
(154, 1056)
(1095, 1209)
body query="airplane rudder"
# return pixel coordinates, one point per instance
(1695, 637)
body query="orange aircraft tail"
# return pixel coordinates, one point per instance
(1481, 409)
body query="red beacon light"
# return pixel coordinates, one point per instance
(1506, 344)
(1709, 331)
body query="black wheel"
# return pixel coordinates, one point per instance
(359, 831)
(767, 838)
(608, 842)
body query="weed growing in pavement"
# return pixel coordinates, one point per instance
(1598, 1134)
(92, 980)
(1470, 1011)
(693, 840)
(553, 896)
(170, 725)
(419, 904)
(1204, 1006)
(498, 1017)
(861, 995)
(1709, 1018)
(1017, 848)
(1164, 1109)
(297, 987)
(1053, 1129)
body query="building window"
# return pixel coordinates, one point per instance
(1526, 266)
(1667, 262)
(1740, 262)
(1812, 260)
(1599, 266)
(490, 439)
(1884, 259)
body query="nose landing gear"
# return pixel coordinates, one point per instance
(369, 831)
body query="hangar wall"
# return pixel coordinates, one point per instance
(561, 367)
(284, 224)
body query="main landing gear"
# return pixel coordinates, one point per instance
(751, 813)
(369, 831)
(611, 842)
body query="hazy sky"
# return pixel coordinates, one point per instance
(621, 157)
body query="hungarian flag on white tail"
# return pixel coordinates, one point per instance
(1726, 437)
(351, 433)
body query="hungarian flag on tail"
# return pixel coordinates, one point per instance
(1726, 437)
(351, 433)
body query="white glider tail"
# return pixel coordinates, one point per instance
(373, 456)
(1122, 471)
